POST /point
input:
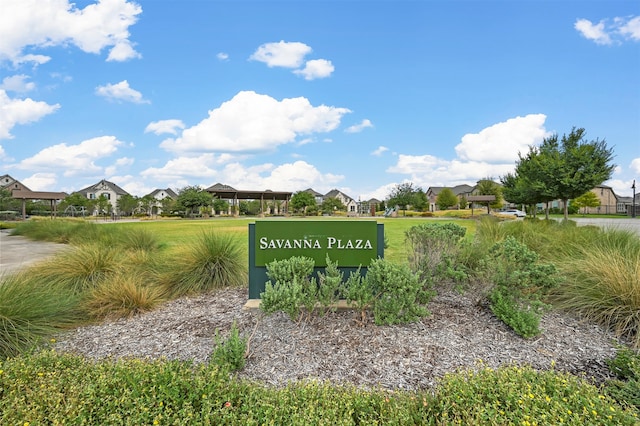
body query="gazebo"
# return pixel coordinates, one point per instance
(226, 192)
(24, 195)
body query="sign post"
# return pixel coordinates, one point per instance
(353, 244)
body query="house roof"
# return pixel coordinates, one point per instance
(457, 190)
(313, 192)
(226, 192)
(96, 187)
(170, 192)
(335, 192)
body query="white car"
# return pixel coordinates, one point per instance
(515, 212)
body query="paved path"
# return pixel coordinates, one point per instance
(628, 224)
(17, 252)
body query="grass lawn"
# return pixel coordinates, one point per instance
(175, 233)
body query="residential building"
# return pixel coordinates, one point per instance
(158, 195)
(460, 191)
(349, 203)
(11, 184)
(316, 195)
(110, 190)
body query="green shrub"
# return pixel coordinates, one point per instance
(31, 310)
(230, 353)
(433, 250)
(290, 288)
(329, 285)
(399, 294)
(626, 366)
(520, 283)
(212, 261)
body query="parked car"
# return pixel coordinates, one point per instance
(515, 212)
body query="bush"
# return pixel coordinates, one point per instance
(230, 353)
(626, 366)
(290, 288)
(31, 310)
(399, 296)
(519, 285)
(433, 250)
(213, 261)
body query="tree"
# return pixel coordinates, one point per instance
(446, 199)
(331, 204)
(574, 166)
(588, 199)
(402, 195)
(146, 202)
(420, 201)
(220, 206)
(302, 201)
(126, 204)
(168, 204)
(464, 203)
(488, 187)
(191, 198)
(103, 204)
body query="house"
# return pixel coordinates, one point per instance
(369, 207)
(110, 190)
(349, 203)
(158, 195)
(21, 192)
(609, 203)
(316, 195)
(11, 184)
(460, 191)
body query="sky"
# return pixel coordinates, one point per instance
(353, 95)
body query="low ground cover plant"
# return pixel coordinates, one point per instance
(52, 388)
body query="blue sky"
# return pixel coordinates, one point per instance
(287, 95)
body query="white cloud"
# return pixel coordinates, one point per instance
(3, 154)
(45, 23)
(316, 68)
(490, 153)
(222, 56)
(608, 31)
(281, 54)
(635, 166)
(121, 92)
(590, 31)
(379, 151)
(357, 128)
(118, 165)
(164, 126)
(17, 83)
(502, 142)
(122, 51)
(41, 182)
(631, 28)
(20, 111)
(73, 160)
(285, 177)
(202, 167)
(253, 122)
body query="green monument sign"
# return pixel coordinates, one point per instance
(351, 243)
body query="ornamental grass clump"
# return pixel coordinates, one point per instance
(603, 283)
(122, 296)
(82, 268)
(213, 260)
(32, 309)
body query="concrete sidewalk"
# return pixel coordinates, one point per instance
(17, 252)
